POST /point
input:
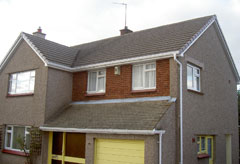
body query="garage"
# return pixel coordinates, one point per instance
(113, 151)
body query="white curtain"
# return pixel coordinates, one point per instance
(138, 76)
(150, 79)
(101, 85)
(92, 81)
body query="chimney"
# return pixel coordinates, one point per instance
(39, 33)
(125, 31)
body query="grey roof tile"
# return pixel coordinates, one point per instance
(147, 42)
(131, 116)
(54, 52)
(166, 38)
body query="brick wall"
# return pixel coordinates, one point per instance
(120, 86)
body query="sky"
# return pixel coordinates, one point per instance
(72, 22)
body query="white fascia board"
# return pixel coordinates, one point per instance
(102, 131)
(127, 100)
(115, 62)
(35, 49)
(228, 51)
(198, 35)
(60, 67)
(10, 52)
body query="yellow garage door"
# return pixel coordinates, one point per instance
(111, 151)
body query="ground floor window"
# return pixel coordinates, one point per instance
(205, 147)
(68, 148)
(17, 138)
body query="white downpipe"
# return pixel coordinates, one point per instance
(160, 133)
(181, 111)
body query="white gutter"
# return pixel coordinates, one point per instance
(160, 133)
(115, 62)
(126, 100)
(101, 131)
(181, 110)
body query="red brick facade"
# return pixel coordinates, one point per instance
(120, 86)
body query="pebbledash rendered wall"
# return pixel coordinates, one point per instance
(22, 110)
(53, 90)
(214, 111)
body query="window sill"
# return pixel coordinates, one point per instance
(204, 155)
(20, 95)
(94, 94)
(14, 152)
(198, 92)
(144, 90)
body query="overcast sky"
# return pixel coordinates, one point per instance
(72, 22)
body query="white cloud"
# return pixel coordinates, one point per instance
(76, 21)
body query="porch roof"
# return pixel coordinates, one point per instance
(123, 116)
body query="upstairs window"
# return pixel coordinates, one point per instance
(22, 83)
(144, 76)
(96, 81)
(17, 138)
(193, 78)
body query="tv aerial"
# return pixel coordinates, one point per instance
(124, 4)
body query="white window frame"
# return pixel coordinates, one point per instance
(194, 75)
(16, 83)
(144, 71)
(12, 132)
(98, 76)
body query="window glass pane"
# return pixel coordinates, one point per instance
(150, 66)
(23, 76)
(150, 79)
(13, 76)
(102, 72)
(18, 137)
(101, 85)
(56, 162)
(197, 83)
(138, 76)
(8, 140)
(9, 128)
(189, 77)
(57, 143)
(195, 71)
(203, 143)
(22, 86)
(32, 73)
(27, 141)
(210, 147)
(75, 145)
(31, 84)
(12, 86)
(92, 81)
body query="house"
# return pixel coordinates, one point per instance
(164, 95)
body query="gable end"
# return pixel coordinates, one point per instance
(10, 53)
